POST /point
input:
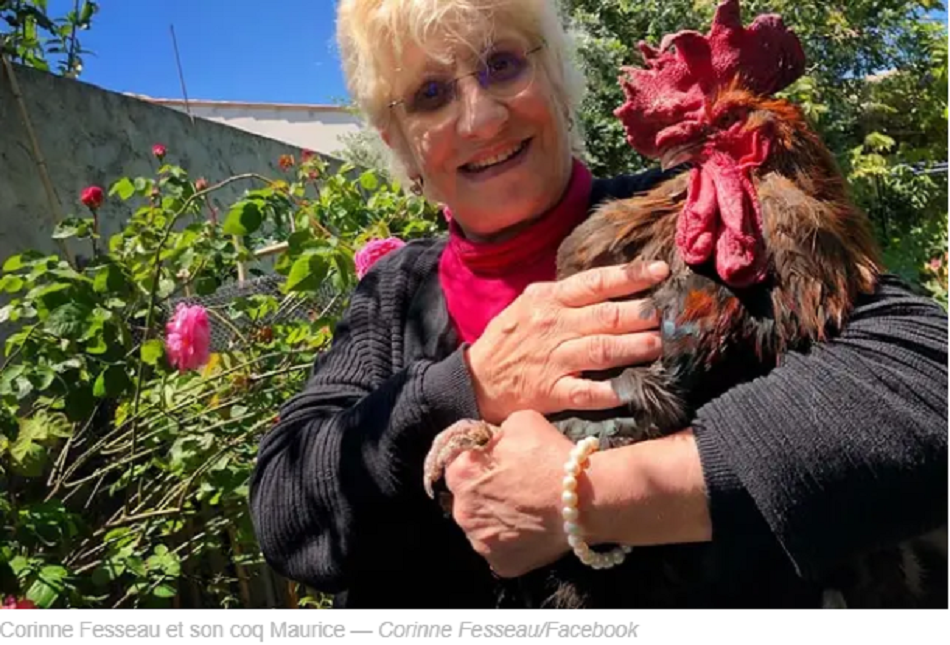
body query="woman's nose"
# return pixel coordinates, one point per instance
(480, 114)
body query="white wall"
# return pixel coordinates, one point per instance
(313, 127)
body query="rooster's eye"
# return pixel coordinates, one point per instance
(730, 118)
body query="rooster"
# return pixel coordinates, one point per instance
(767, 254)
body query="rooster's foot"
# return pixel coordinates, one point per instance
(462, 435)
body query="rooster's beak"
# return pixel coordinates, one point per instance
(678, 154)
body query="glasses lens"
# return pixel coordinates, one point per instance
(505, 71)
(432, 96)
(502, 73)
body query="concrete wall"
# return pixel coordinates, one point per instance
(88, 135)
(315, 127)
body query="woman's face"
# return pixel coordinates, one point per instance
(494, 160)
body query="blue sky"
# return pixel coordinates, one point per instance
(278, 51)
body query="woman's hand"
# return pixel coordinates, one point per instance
(507, 498)
(531, 354)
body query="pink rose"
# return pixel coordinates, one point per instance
(13, 603)
(159, 151)
(92, 197)
(373, 251)
(188, 337)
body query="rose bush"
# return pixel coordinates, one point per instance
(131, 409)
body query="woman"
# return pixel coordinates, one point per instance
(835, 452)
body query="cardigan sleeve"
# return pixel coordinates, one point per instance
(335, 487)
(839, 450)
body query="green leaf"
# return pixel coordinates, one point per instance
(20, 566)
(152, 351)
(111, 382)
(164, 590)
(68, 321)
(88, 9)
(17, 262)
(164, 561)
(368, 180)
(136, 566)
(46, 376)
(73, 363)
(115, 535)
(6, 313)
(9, 375)
(124, 187)
(205, 286)
(11, 283)
(109, 280)
(166, 287)
(879, 142)
(97, 345)
(80, 227)
(35, 430)
(48, 586)
(102, 576)
(243, 219)
(307, 273)
(13, 263)
(32, 463)
(23, 388)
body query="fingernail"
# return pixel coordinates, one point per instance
(658, 270)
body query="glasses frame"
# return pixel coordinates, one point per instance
(453, 83)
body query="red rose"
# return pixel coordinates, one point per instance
(13, 603)
(286, 162)
(92, 197)
(159, 151)
(201, 184)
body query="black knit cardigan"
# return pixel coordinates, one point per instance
(836, 451)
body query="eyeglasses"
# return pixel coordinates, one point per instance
(503, 73)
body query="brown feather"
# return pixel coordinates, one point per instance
(822, 256)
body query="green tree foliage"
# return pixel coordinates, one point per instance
(875, 89)
(30, 36)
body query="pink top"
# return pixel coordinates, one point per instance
(481, 279)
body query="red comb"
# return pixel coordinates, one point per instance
(766, 57)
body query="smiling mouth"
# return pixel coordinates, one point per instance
(496, 160)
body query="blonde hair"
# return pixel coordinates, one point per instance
(372, 34)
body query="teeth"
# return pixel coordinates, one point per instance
(496, 159)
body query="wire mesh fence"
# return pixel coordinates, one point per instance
(326, 301)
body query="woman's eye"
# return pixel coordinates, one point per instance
(504, 65)
(431, 95)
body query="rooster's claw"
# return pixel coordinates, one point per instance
(463, 435)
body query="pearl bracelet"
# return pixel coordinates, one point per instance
(575, 534)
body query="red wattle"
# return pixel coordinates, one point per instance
(722, 216)
(697, 228)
